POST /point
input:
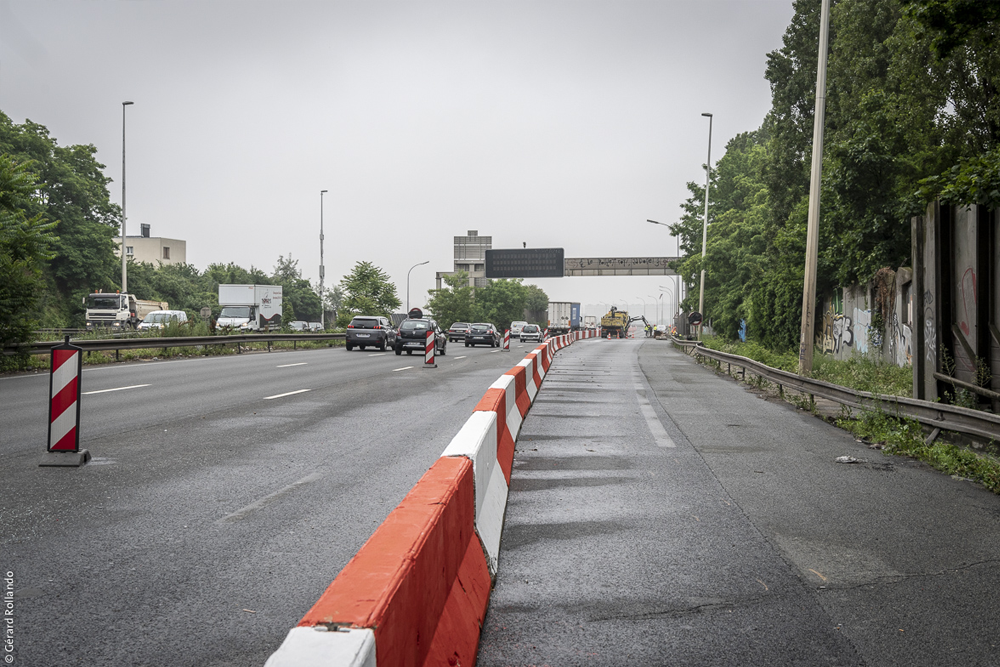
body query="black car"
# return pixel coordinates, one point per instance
(412, 335)
(482, 333)
(373, 330)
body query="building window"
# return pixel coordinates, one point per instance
(129, 251)
(166, 252)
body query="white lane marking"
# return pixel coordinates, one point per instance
(104, 391)
(301, 363)
(659, 433)
(257, 504)
(394, 370)
(291, 393)
(461, 357)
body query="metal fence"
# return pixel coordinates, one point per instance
(937, 416)
(145, 343)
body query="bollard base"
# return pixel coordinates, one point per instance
(430, 365)
(65, 459)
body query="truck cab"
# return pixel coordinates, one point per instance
(117, 311)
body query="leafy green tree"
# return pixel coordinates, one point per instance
(368, 291)
(296, 291)
(73, 191)
(332, 300)
(500, 302)
(535, 300)
(454, 302)
(25, 244)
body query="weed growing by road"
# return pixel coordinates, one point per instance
(904, 437)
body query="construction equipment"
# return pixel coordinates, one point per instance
(617, 322)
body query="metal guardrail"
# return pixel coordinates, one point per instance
(936, 415)
(106, 344)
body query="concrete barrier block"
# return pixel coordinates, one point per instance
(309, 647)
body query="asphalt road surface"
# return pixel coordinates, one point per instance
(660, 514)
(213, 515)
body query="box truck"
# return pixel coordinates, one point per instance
(563, 317)
(250, 307)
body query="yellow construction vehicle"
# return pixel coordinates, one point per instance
(615, 324)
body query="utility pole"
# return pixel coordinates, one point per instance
(815, 181)
(124, 265)
(704, 229)
(322, 268)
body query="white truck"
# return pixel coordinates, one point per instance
(589, 321)
(117, 311)
(564, 316)
(250, 307)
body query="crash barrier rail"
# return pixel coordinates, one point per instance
(107, 344)
(938, 416)
(416, 592)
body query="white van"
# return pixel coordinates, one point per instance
(160, 318)
(515, 328)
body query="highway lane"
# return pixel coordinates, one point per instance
(212, 518)
(661, 514)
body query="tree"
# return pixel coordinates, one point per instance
(500, 302)
(25, 244)
(535, 300)
(296, 290)
(454, 302)
(368, 292)
(72, 190)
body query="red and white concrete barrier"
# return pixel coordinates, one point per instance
(417, 591)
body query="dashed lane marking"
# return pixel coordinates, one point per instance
(394, 370)
(257, 504)
(104, 391)
(301, 363)
(291, 393)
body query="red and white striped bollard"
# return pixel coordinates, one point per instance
(429, 351)
(506, 339)
(63, 447)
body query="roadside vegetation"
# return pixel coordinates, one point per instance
(877, 427)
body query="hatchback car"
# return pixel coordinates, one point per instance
(531, 332)
(373, 330)
(412, 336)
(482, 333)
(457, 331)
(160, 318)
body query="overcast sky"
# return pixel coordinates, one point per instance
(556, 124)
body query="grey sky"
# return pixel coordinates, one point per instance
(563, 124)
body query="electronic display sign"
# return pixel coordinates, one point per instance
(525, 263)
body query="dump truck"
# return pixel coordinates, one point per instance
(117, 311)
(615, 323)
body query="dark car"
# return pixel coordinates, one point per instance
(373, 330)
(457, 331)
(482, 333)
(412, 335)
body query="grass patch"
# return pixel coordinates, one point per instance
(858, 372)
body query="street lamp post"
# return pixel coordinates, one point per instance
(643, 305)
(124, 264)
(322, 268)
(674, 298)
(704, 229)
(408, 283)
(677, 278)
(656, 307)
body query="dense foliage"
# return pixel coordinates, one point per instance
(367, 291)
(24, 246)
(912, 114)
(500, 302)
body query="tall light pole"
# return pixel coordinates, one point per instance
(675, 298)
(322, 268)
(677, 278)
(643, 305)
(656, 306)
(815, 178)
(704, 228)
(124, 269)
(408, 283)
